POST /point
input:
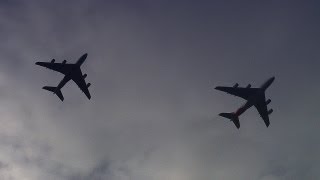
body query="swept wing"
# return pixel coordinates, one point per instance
(244, 93)
(78, 78)
(59, 67)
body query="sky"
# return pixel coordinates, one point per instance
(153, 66)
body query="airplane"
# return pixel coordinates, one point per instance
(254, 96)
(71, 72)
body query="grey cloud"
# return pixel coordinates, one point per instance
(153, 110)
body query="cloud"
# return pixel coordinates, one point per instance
(153, 112)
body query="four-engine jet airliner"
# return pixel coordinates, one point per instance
(71, 72)
(254, 96)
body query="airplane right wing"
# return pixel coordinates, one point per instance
(244, 93)
(59, 67)
(79, 80)
(262, 108)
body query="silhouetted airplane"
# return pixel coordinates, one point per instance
(71, 72)
(254, 96)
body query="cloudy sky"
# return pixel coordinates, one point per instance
(153, 113)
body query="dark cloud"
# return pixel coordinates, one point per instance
(153, 113)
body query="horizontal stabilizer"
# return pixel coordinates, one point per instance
(55, 91)
(233, 117)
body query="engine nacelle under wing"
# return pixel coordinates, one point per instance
(88, 85)
(268, 101)
(270, 111)
(236, 85)
(52, 61)
(64, 61)
(249, 86)
(84, 76)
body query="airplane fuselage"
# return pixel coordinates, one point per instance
(63, 82)
(252, 100)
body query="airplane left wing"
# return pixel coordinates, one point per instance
(59, 67)
(244, 93)
(262, 108)
(79, 80)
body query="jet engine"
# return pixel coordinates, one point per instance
(249, 86)
(52, 61)
(236, 85)
(270, 111)
(84, 76)
(268, 101)
(64, 61)
(88, 85)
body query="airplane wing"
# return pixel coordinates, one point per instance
(244, 93)
(79, 80)
(59, 67)
(262, 108)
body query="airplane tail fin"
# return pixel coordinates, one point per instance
(55, 91)
(233, 117)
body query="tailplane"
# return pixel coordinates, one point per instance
(233, 117)
(55, 91)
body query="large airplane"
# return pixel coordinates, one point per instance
(71, 72)
(254, 96)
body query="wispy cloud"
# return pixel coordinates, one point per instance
(152, 114)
